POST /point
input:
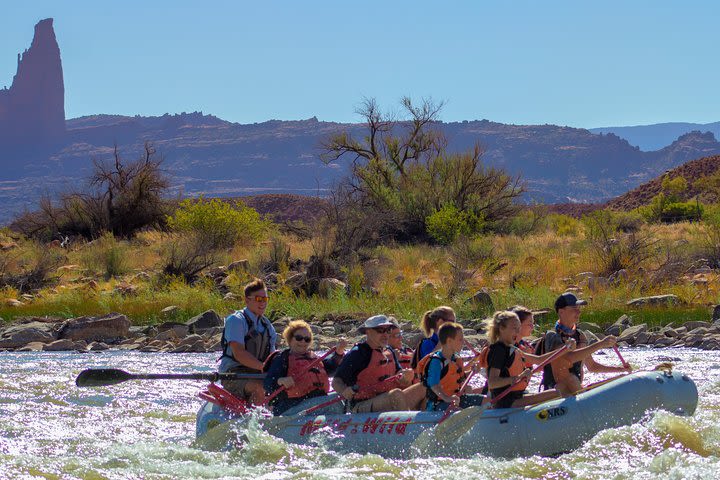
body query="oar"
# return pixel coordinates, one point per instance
(456, 426)
(471, 348)
(279, 423)
(622, 360)
(100, 377)
(283, 388)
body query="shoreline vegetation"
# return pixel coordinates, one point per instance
(411, 227)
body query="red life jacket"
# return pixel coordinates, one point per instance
(381, 366)
(306, 381)
(405, 356)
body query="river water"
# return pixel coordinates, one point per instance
(50, 429)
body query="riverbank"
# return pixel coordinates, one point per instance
(201, 334)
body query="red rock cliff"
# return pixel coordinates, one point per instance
(32, 110)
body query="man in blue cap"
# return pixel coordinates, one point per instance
(566, 374)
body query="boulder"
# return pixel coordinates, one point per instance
(191, 340)
(170, 312)
(239, 266)
(181, 330)
(21, 334)
(597, 283)
(589, 327)
(669, 332)
(204, 321)
(97, 346)
(620, 324)
(693, 325)
(656, 300)
(230, 297)
(481, 298)
(629, 334)
(106, 329)
(328, 286)
(13, 302)
(621, 276)
(32, 347)
(297, 281)
(63, 344)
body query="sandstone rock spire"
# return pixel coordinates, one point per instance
(32, 110)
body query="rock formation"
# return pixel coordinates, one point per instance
(32, 110)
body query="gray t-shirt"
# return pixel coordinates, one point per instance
(236, 329)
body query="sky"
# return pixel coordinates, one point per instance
(581, 64)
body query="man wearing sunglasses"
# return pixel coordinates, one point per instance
(247, 340)
(366, 376)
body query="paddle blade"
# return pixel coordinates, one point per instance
(100, 377)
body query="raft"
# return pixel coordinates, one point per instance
(546, 429)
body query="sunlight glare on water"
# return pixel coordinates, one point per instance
(51, 429)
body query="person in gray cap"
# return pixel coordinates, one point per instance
(367, 375)
(566, 374)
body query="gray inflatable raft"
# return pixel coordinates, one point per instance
(545, 429)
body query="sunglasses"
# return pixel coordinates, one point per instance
(300, 338)
(382, 330)
(259, 298)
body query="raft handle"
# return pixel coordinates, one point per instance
(659, 380)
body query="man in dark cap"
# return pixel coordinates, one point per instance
(566, 373)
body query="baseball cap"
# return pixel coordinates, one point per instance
(568, 299)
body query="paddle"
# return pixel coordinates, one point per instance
(457, 425)
(622, 360)
(100, 377)
(451, 408)
(283, 388)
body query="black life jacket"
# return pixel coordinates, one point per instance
(548, 379)
(258, 344)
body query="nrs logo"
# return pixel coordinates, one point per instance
(551, 413)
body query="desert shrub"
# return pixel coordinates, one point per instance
(466, 257)
(629, 222)
(613, 249)
(186, 256)
(29, 269)
(526, 222)
(447, 224)
(120, 197)
(401, 174)
(278, 257)
(564, 225)
(106, 255)
(221, 223)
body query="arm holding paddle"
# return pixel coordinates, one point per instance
(591, 364)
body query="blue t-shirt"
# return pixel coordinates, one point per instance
(236, 329)
(428, 345)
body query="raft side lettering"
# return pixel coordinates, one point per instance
(551, 413)
(372, 426)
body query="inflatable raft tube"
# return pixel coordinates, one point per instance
(545, 429)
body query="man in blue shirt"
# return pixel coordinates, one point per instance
(247, 340)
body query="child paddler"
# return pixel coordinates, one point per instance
(507, 363)
(247, 340)
(444, 372)
(296, 370)
(361, 376)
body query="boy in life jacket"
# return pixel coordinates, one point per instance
(289, 368)
(566, 373)
(247, 339)
(507, 363)
(361, 376)
(444, 372)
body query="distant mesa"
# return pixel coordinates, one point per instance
(32, 110)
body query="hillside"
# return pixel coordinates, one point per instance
(691, 171)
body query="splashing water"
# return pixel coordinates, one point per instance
(51, 429)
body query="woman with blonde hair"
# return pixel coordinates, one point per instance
(291, 368)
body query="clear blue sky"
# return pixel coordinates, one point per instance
(585, 64)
